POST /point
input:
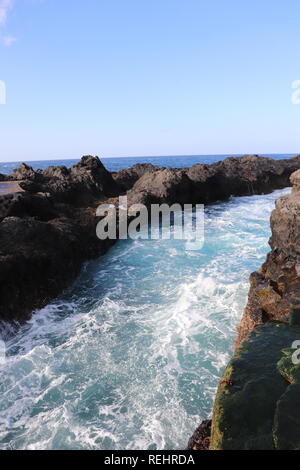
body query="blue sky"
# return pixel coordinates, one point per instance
(148, 77)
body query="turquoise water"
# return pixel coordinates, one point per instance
(130, 356)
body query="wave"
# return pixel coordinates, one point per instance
(130, 356)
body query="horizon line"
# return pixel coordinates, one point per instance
(152, 156)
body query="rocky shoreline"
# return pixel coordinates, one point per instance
(261, 381)
(48, 230)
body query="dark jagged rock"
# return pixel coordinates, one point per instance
(54, 222)
(23, 172)
(163, 186)
(276, 287)
(39, 259)
(4, 177)
(26, 205)
(81, 184)
(48, 233)
(234, 176)
(268, 415)
(126, 178)
(200, 440)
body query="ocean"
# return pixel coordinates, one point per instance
(129, 357)
(115, 164)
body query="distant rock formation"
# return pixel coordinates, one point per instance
(126, 178)
(80, 184)
(23, 172)
(234, 176)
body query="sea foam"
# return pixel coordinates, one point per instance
(130, 356)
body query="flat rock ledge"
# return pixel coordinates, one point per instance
(257, 406)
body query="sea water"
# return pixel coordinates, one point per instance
(130, 355)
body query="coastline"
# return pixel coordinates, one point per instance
(50, 203)
(262, 379)
(53, 220)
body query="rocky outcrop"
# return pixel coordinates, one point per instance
(47, 233)
(208, 183)
(38, 259)
(164, 186)
(200, 440)
(262, 381)
(80, 184)
(275, 288)
(126, 178)
(49, 230)
(22, 172)
(27, 205)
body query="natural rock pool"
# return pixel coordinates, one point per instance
(130, 356)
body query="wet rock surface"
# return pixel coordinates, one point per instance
(256, 407)
(257, 404)
(48, 232)
(200, 440)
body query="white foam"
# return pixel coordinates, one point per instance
(130, 357)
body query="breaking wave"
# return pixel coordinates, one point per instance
(130, 356)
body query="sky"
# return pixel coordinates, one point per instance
(148, 77)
